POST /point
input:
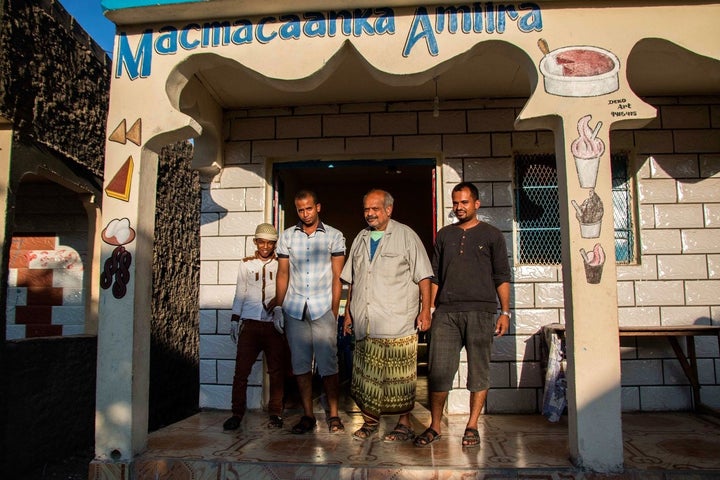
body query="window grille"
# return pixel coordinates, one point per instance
(622, 209)
(537, 215)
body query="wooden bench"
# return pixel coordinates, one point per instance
(672, 333)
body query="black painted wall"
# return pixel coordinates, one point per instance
(51, 402)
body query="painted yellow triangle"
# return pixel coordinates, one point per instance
(135, 132)
(118, 135)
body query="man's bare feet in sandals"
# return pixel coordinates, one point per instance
(335, 425)
(427, 437)
(471, 438)
(366, 431)
(401, 433)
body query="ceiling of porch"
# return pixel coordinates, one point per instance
(490, 70)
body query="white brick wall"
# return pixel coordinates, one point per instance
(675, 281)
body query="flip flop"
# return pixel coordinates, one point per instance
(400, 433)
(471, 438)
(426, 438)
(335, 425)
(305, 425)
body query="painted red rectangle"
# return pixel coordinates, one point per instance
(44, 296)
(19, 258)
(35, 242)
(33, 315)
(34, 331)
(34, 277)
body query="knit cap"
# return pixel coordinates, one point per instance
(266, 232)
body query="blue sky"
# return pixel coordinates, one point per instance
(89, 14)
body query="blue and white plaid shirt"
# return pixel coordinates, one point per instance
(310, 268)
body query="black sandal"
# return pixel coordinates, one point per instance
(471, 438)
(275, 421)
(427, 437)
(366, 431)
(335, 425)
(305, 425)
(401, 433)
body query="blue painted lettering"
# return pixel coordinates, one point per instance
(489, 17)
(291, 28)
(220, 34)
(385, 22)
(504, 10)
(167, 42)
(346, 26)
(243, 34)
(136, 64)
(452, 17)
(361, 24)
(315, 25)
(532, 20)
(186, 44)
(260, 32)
(477, 18)
(419, 29)
(470, 18)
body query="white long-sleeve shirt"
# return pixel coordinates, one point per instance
(255, 288)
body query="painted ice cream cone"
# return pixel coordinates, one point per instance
(587, 150)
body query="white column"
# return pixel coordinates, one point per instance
(124, 311)
(593, 348)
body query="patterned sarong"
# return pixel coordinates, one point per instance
(384, 375)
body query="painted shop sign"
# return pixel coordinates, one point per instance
(425, 27)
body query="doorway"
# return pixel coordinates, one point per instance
(340, 186)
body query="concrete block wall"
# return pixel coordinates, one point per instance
(676, 280)
(677, 164)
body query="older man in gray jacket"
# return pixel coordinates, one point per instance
(389, 273)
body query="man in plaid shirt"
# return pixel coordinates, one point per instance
(311, 256)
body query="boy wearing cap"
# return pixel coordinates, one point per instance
(252, 329)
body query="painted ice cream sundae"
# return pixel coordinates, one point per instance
(594, 262)
(589, 214)
(116, 271)
(587, 150)
(583, 62)
(579, 70)
(118, 232)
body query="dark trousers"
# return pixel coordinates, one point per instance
(256, 337)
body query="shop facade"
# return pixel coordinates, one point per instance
(592, 134)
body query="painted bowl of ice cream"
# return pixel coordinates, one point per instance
(580, 71)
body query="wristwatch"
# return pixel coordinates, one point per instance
(505, 312)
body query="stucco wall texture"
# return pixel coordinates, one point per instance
(55, 81)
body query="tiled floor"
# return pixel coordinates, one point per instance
(657, 446)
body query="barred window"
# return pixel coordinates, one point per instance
(622, 209)
(537, 215)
